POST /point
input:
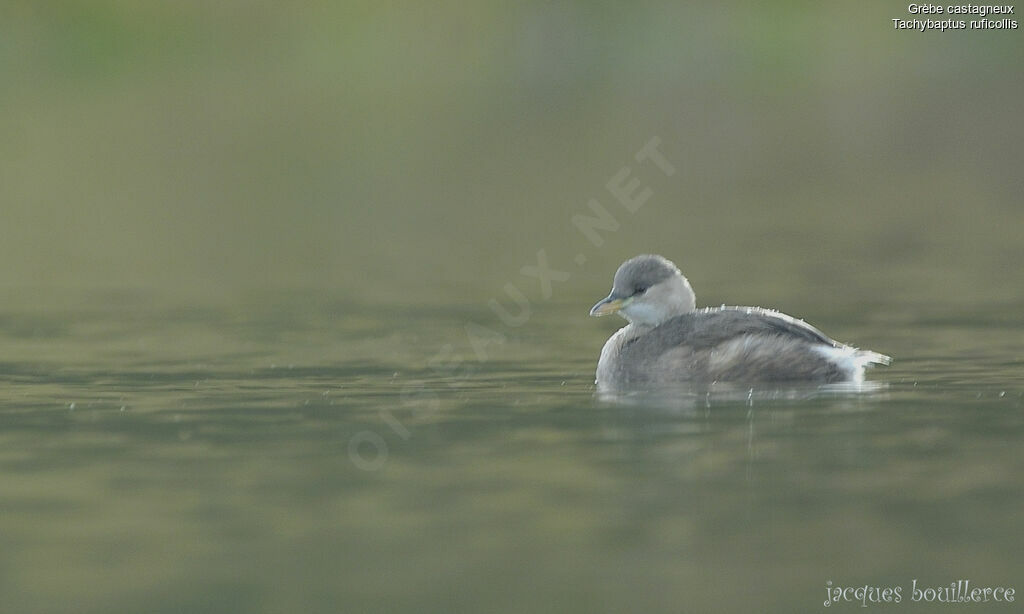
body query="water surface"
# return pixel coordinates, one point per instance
(308, 454)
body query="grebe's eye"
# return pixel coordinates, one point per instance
(640, 290)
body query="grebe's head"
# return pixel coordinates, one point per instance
(647, 290)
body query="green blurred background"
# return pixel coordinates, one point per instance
(352, 181)
(377, 148)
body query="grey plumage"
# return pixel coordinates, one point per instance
(669, 341)
(642, 272)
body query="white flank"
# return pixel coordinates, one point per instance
(851, 360)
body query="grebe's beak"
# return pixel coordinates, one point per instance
(608, 305)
